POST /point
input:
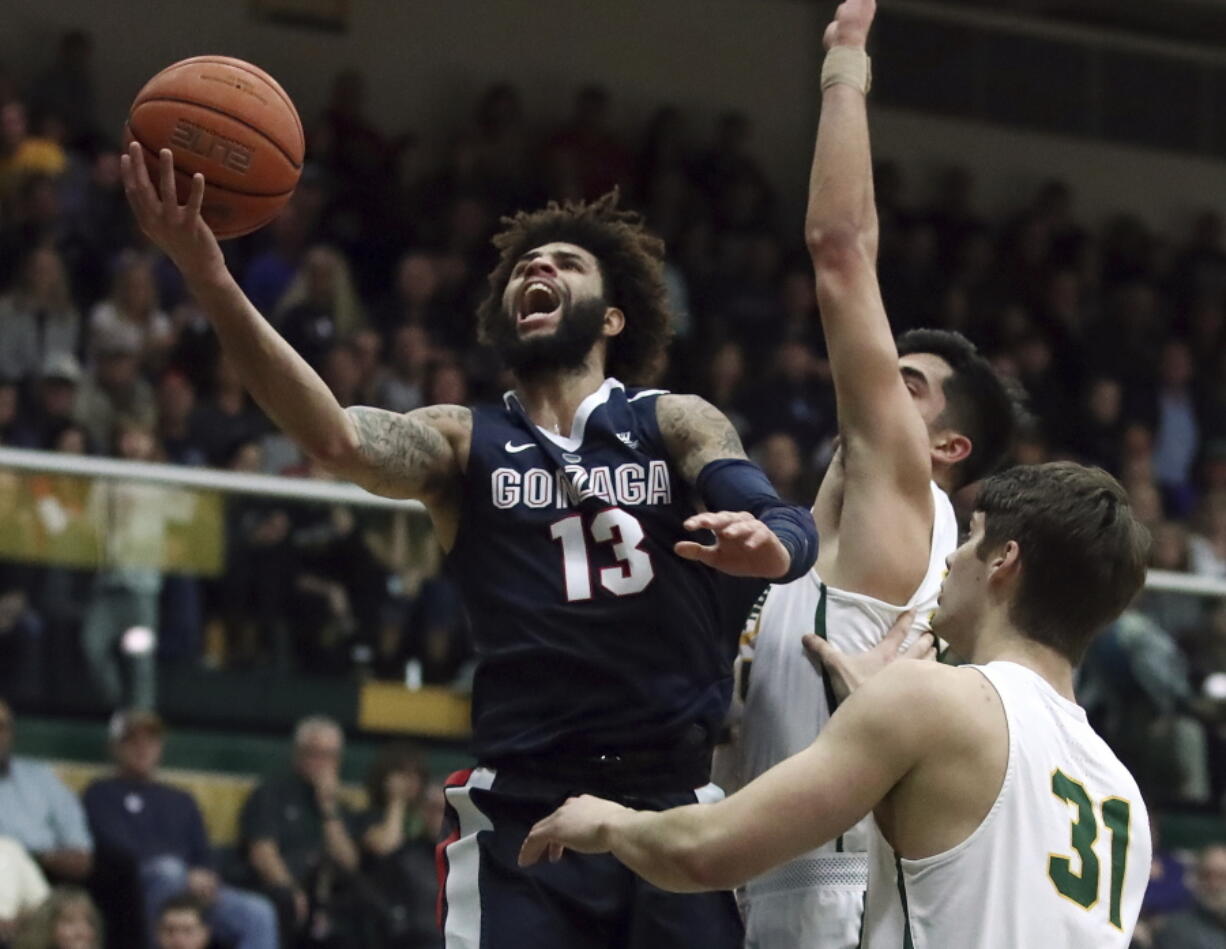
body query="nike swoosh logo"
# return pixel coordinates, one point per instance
(513, 449)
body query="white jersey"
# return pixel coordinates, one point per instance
(786, 704)
(1061, 861)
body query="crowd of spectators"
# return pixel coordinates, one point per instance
(316, 865)
(373, 273)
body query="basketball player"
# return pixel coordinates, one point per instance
(603, 631)
(999, 818)
(913, 428)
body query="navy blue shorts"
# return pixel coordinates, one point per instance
(486, 901)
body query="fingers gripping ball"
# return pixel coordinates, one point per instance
(231, 122)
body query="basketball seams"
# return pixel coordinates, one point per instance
(250, 70)
(216, 111)
(259, 74)
(212, 184)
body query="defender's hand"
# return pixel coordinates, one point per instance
(849, 670)
(851, 24)
(744, 546)
(580, 824)
(177, 229)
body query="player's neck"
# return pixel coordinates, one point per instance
(552, 401)
(943, 475)
(1000, 641)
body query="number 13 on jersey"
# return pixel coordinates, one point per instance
(634, 571)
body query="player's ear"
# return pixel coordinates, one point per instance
(952, 447)
(614, 321)
(1006, 561)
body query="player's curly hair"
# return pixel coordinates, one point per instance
(631, 261)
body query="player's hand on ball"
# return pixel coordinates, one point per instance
(178, 229)
(744, 546)
(851, 24)
(581, 824)
(849, 670)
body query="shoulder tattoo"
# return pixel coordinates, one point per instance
(696, 432)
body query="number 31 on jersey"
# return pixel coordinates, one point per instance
(634, 571)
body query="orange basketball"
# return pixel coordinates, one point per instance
(231, 122)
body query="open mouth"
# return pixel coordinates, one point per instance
(539, 302)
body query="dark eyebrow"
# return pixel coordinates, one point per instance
(914, 374)
(561, 255)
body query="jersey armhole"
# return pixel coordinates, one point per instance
(998, 802)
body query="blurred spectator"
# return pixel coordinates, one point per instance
(1135, 688)
(779, 456)
(251, 598)
(794, 399)
(131, 319)
(101, 224)
(398, 848)
(1203, 926)
(1048, 399)
(23, 888)
(297, 837)
(66, 90)
(1200, 270)
(122, 617)
(227, 419)
(348, 143)
(662, 160)
(40, 813)
(502, 149)
(1207, 336)
(584, 158)
(1101, 427)
(320, 305)
(400, 388)
(21, 636)
(726, 163)
(1177, 436)
(724, 383)
(1176, 612)
(158, 829)
(1168, 886)
(1207, 546)
(23, 155)
(342, 373)
(446, 383)
(269, 273)
(181, 924)
(13, 432)
(114, 389)
(38, 319)
(178, 420)
(67, 920)
(415, 300)
(338, 586)
(55, 399)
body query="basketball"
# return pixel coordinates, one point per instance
(233, 123)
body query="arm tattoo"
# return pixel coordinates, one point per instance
(695, 433)
(406, 455)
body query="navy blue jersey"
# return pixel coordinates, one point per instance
(591, 634)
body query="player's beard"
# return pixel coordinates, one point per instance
(564, 350)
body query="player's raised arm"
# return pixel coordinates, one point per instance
(756, 533)
(841, 233)
(415, 455)
(870, 745)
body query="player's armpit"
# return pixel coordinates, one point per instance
(695, 432)
(415, 455)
